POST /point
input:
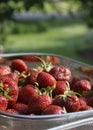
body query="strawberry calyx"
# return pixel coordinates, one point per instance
(48, 90)
(5, 92)
(69, 93)
(22, 77)
(67, 86)
(46, 66)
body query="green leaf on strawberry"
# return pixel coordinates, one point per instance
(46, 66)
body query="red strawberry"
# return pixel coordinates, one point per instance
(4, 70)
(59, 101)
(9, 89)
(38, 103)
(60, 73)
(29, 58)
(21, 108)
(12, 111)
(13, 76)
(72, 103)
(44, 80)
(19, 65)
(81, 84)
(26, 93)
(32, 78)
(3, 103)
(90, 101)
(53, 109)
(61, 87)
(83, 104)
(52, 59)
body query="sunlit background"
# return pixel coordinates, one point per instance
(63, 27)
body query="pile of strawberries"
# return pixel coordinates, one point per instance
(42, 90)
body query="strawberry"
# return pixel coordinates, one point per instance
(13, 76)
(45, 79)
(4, 69)
(32, 77)
(72, 103)
(53, 109)
(88, 71)
(12, 111)
(26, 93)
(83, 104)
(52, 59)
(38, 103)
(61, 87)
(60, 73)
(9, 89)
(80, 84)
(21, 108)
(19, 65)
(3, 103)
(90, 101)
(59, 101)
(29, 58)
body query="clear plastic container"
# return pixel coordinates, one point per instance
(70, 121)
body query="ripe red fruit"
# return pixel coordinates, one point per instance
(19, 65)
(3, 103)
(59, 101)
(90, 101)
(60, 73)
(12, 111)
(83, 104)
(53, 109)
(21, 108)
(13, 76)
(38, 103)
(26, 93)
(9, 89)
(44, 80)
(32, 78)
(79, 85)
(4, 69)
(61, 87)
(72, 103)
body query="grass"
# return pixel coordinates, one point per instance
(58, 37)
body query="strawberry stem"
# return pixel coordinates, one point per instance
(45, 66)
(5, 92)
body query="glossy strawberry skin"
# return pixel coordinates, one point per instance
(19, 65)
(60, 73)
(10, 84)
(13, 76)
(53, 109)
(72, 103)
(61, 87)
(3, 103)
(4, 69)
(83, 104)
(44, 80)
(38, 103)
(26, 93)
(21, 108)
(81, 85)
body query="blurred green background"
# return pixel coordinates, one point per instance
(50, 26)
